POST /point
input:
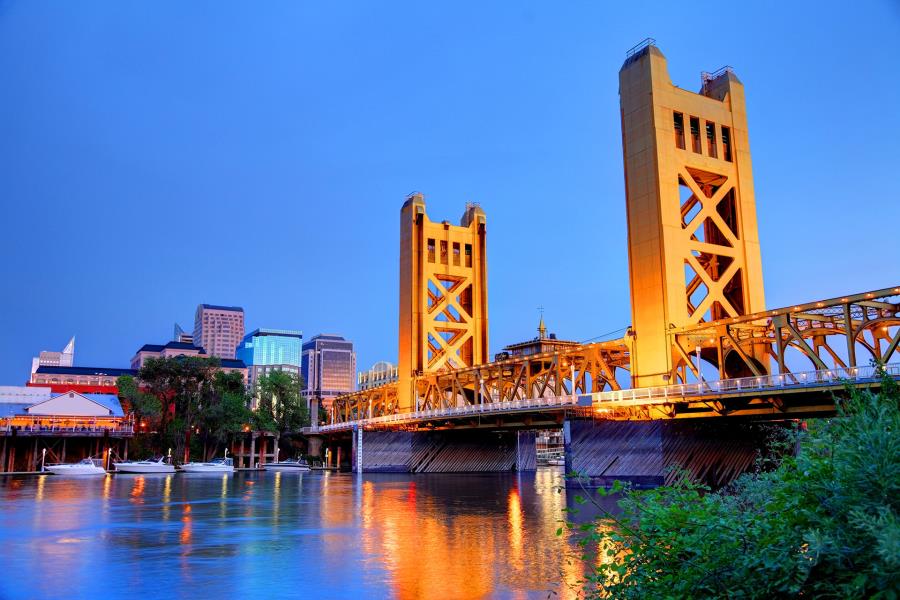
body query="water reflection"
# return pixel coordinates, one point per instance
(335, 535)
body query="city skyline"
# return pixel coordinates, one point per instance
(537, 90)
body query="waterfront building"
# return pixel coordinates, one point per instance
(48, 358)
(381, 373)
(84, 380)
(267, 350)
(37, 419)
(328, 368)
(173, 349)
(182, 336)
(544, 342)
(218, 329)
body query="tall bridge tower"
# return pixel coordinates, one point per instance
(443, 295)
(693, 245)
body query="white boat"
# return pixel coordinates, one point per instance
(216, 465)
(88, 466)
(144, 466)
(296, 465)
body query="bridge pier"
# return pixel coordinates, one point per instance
(646, 453)
(445, 451)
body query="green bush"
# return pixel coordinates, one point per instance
(823, 523)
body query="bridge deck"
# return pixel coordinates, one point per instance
(780, 396)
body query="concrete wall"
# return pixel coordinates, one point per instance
(446, 451)
(647, 453)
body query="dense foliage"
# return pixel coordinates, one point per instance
(280, 410)
(188, 403)
(823, 523)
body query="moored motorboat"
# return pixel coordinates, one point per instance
(88, 466)
(296, 465)
(144, 466)
(216, 465)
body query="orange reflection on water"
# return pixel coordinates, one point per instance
(186, 535)
(438, 538)
(515, 517)
(137, 490)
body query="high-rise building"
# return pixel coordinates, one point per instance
(218, 329)
(328, 368)
(55, 359)
(267, 350)
(182, 336)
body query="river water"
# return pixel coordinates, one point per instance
(270, 535)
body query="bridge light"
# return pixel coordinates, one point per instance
(868, 295)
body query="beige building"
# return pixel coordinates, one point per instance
(172, 349)
(381, 373)
(218, 329)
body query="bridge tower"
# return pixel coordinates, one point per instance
(693, 245)
(443, 295)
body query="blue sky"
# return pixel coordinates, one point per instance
(155, 155)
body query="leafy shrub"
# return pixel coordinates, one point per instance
(823, 523)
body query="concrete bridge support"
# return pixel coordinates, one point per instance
(466, 451)
(648, 453)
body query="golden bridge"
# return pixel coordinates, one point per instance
(702, 345)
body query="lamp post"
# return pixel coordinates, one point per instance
(699, 372)
(572, 371)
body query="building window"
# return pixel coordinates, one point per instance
(695, 135)
(679, 130)
(431, 250)
(711, 139)
(455, 254)
(726, 143)
(469, 255)
(443, 252)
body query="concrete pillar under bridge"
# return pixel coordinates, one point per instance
(647, 453)
(444, 451)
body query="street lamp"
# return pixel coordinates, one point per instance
(572, 371)
(699, 372)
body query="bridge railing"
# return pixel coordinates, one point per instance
(803, 379)
(651, 395)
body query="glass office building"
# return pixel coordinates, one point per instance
(267, 350)
(328, 368)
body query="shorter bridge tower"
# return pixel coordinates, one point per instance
(693, 245)
(443, 295)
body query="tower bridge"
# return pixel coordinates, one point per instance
(702, 359)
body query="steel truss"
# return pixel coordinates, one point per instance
(866, 325)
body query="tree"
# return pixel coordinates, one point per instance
(280, 409)
(224, 413)
(823, 523)
(181, 383)
(145, 408)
